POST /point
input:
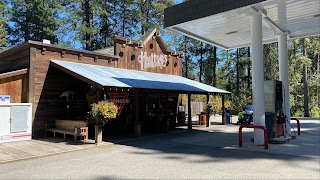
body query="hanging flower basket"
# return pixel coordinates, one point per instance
(104, 111)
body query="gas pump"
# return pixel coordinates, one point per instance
(275, 118)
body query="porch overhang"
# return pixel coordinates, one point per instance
(108, 77)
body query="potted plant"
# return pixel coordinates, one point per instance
(102, 112)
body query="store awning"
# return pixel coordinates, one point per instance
(105, 77)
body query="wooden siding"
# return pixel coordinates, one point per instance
(11, 61)
(50, 82)
(16, 87)
(43, 84)
(127, 62)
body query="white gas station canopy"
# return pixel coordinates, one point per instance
(230, 24)
(226, 24)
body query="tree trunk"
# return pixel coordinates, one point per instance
(185, 57)
(123, 17)
(318, 64)
(87, 20)
(305, 83)
(237, 69)
(214, 74)
(249, 68)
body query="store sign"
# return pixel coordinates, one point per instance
(120, 99)
(153, 60)
(4, 99)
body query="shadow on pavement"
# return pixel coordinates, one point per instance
(221, 142)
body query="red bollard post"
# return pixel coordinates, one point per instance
(254, 126)
(298, 124)
(240, 136)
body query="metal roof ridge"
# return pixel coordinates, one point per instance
(53, 60)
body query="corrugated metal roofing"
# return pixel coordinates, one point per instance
(116, 77)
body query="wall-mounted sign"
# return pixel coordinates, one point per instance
(153, 60)
(120, 99)
(4, 99)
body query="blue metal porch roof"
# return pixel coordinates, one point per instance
(116, 77)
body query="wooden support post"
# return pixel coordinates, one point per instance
(137, 123)
(208, 113)
(98, 134)
(223, 113)
(189, 112)
(166, 113)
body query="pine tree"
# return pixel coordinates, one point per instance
(94, 23)
(151, 14)
(4, 12)
(81, 21)
(34, 20)
(271, 63)
(127, 15)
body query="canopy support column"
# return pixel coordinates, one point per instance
(223, 111)
(189, 112)
(257, 76)
(137, 122)
(283, 60)
(208, 113)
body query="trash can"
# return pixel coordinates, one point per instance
(227, 118)
(227, 115)
(203, 118)
(181, 118)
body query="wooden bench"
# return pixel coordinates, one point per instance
(71, 127)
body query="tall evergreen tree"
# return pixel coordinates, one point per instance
(81, 20)
(127, 15)
(271, 64)
(95, 23)
(34, 20)
(151, 14)
(4, 13)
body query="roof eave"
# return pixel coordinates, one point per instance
(71, 50)
(195, 9)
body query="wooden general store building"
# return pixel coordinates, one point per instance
(143, 77)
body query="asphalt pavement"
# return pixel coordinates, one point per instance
(203, 153)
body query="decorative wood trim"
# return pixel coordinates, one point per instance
(55, 48)
(13, 73)
(80, 56)
(63, 53)
(43, 50)
(31, 82)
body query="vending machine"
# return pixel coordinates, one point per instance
(274, 118)
(15, 122)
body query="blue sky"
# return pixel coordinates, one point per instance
(165, 37)
(78, 44)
